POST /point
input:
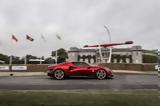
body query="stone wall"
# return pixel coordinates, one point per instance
(113, 66)
(136, 67)
(37, 68)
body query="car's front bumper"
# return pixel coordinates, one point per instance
(110, 75)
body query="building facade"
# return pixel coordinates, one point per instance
(135, 54)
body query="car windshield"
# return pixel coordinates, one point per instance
(81, 64)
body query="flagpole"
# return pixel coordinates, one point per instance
(30, 39)
(40, 61)
(58, 37)
(10, 60)
(16, 40)
(25, 59)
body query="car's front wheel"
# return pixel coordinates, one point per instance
(59, 74)
(101, 74)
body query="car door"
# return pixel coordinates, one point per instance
(80, 69)
(76, 70)
(83, 71)
(89, 71)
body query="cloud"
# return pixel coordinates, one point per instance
(79, 22)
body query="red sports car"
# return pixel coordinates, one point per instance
(71, 69)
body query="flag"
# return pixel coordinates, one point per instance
(14, 38)
(43, 38)
(29, 38)
(58, 37)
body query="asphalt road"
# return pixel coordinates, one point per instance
(45, 83)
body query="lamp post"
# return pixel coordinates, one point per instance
(10, 60)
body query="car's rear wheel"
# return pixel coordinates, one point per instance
(59, 74)
(101, 74)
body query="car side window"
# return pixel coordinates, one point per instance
(80, 64)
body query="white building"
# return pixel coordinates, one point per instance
(135, 54)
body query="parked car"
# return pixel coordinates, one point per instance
(71, 69)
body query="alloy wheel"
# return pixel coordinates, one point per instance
(59, 74)
(101, 74)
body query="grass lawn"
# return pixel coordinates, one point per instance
(80, 98)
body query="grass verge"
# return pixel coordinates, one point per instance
(80, 98)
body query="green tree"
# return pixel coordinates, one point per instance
(4, 58)
(16, 60)
(29, 56)
(49, 60)
(62, 55)
(150, 59)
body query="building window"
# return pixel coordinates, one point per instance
(98, 60)
(86, 60)
(121, 61)
(115, 60)
(92, 61)
(81, 60)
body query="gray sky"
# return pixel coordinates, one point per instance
(78, 22)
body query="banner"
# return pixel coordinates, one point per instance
(4, 67)
(19, 67)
